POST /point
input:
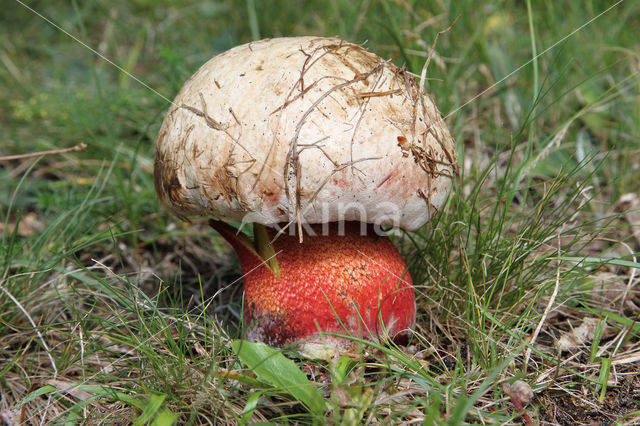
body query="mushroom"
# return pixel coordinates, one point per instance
(318, 143)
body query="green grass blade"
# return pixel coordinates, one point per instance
(154, 403)
(164, 418)
(250, 406)
(35, 394)
(596, 261)
(603, 378)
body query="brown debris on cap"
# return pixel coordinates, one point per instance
(304, 129)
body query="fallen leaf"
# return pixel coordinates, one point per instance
(578, 336)
(28, 225)
(608, 288)
(70, 388)
(10, 417)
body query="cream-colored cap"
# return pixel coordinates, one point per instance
(304, 128)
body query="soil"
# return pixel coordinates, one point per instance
(559, 407)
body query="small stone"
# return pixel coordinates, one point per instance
(522, 391)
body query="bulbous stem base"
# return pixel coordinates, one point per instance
(341, 282)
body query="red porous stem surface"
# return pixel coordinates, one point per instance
(335, 283)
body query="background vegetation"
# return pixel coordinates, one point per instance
(112, 311)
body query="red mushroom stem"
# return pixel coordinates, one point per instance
(349, 284)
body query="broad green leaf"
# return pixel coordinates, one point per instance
(271, 366)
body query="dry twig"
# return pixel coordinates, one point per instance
(79, 147)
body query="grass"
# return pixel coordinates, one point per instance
(112, 311)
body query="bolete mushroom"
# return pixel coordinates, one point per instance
(327, 137)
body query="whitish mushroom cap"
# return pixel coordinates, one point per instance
(305, 128)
